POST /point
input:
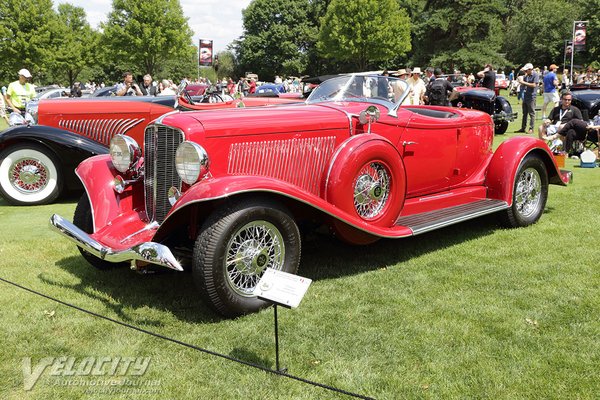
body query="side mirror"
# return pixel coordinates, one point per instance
(369, 115)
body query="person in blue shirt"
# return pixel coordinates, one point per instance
(550, 91)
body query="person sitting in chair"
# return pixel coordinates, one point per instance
(559, 116)
(577, 129)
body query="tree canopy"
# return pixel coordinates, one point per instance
(292, 37)
(277, 36)
(148, 36)
(364, 31)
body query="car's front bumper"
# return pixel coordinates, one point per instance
(150, 252)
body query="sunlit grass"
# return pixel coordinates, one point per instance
(469, 311)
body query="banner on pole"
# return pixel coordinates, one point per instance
(206, 53)
(579, 35)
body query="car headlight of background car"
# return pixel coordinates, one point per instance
(191, 161)
(124, 152)
(32, 108)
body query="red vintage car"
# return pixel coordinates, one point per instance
(223, 192)
(37, 162)
(502, 82)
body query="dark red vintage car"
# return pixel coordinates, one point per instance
(226, 190)
(37, 162)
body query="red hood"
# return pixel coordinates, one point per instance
(261, 120)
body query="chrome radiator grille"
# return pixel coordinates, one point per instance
(160, 145)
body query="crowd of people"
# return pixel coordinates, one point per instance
(430, 86)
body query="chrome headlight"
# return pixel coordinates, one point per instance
(124, 152)
(191, 161)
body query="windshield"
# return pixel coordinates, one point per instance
(381, 89)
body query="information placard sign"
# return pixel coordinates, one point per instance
(282, 288)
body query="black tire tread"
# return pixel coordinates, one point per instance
(206, 255)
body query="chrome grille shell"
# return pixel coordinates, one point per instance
(160, 174)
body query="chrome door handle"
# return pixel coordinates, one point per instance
(405, 143)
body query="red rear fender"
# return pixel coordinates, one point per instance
(505, 163)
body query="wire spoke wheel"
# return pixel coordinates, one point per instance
(371, 190)
(528, 192)
(255, 247)
(29, 175)
(236, 245)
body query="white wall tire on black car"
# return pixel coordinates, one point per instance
(29, 175)
(236, 245)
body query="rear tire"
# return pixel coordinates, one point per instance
(530, 193)
(236, 244)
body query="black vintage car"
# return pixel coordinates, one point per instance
(487, 101)
(587, 100)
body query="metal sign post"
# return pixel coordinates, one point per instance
(281, 288)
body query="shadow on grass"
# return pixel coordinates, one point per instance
(123, 291)
(251, 357)
(324, 257)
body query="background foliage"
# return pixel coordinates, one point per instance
(292, 37)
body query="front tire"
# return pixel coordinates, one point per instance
(83, 219)
(530, 193)
(30, 174)
(236, 244)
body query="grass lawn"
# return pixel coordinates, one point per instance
(469, 311)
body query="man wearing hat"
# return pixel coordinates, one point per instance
(417, 87)
(20, 92)
(550, 91)
(398, 89)
(530, 81)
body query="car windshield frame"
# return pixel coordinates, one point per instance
(361, 88)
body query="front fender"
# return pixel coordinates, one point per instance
(69, 147)
(505, 162)
(221, 188)
(97, 175)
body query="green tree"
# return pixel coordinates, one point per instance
(463, 34)
(226, 64)
(27, 29)
(277, 36)
(537, 34)
(148, 36)
(364, 31)
(75, 45)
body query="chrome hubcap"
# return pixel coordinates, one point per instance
(371, 190)
(252, 249)
(28, 175)
(528, 193)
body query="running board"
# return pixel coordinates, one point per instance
(428, 221)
